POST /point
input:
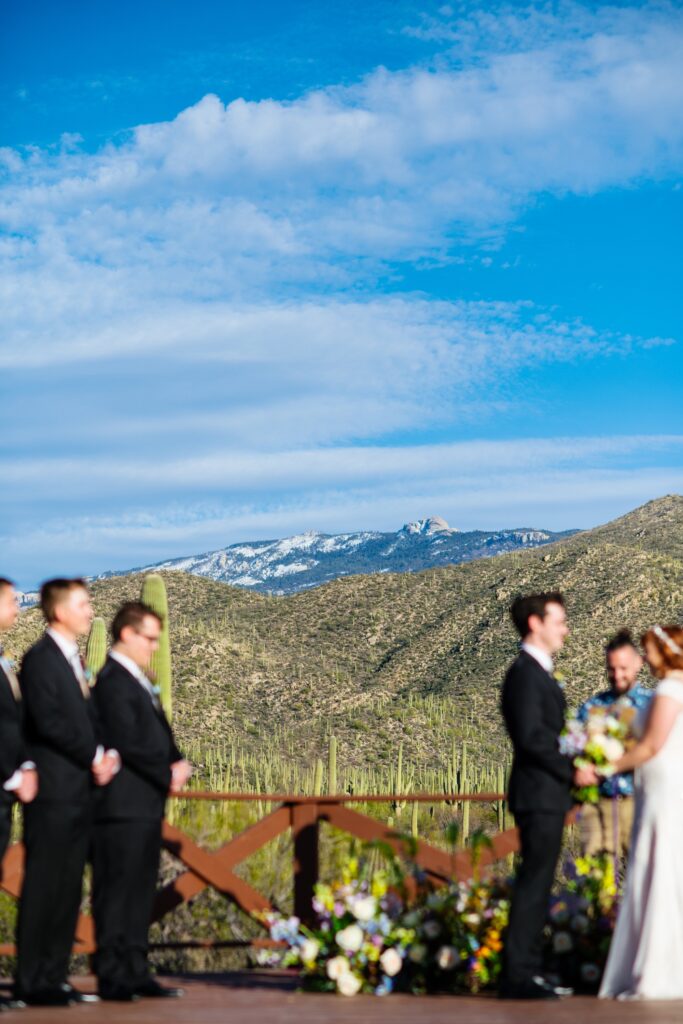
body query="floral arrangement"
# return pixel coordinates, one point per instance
(359, 943)
(581, 922)
(458, 931)
(381, 928)
(598, 740)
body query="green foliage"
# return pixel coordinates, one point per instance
(96, 648)
(154, 595)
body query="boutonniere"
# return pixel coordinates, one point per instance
(559, 679)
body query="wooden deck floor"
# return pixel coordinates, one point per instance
(265, 998)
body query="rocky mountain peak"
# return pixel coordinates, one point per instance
(429, 526)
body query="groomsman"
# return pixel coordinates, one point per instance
(62, 737)
(129, 813)
(18, 776)
(539, 794)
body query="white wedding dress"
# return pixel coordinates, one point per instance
(646, 956)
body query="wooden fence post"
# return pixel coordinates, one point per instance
(304, 818)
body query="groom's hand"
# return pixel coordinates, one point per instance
(585, 777)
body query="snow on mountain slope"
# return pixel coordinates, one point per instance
(310, 559)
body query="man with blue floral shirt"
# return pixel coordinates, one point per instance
(607, 826)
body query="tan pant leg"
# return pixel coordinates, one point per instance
(609, 820)
(590, 830)
(626, 812)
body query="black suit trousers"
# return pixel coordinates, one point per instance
(125, 868)
(541, 841)
(57, 840)
(5, 826)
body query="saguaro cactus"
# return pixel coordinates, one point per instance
(154, 595)
(96, 649)
(332, 766)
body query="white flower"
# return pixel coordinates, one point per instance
(350, 938)
(337, 966)
(364, 909)
(590, 973)
(417, 953)
(473, 919)
(348, 984)
(391, 962)
(431, 929)
(309, 950)
(447, 958)
(613, 748)
(562, 942)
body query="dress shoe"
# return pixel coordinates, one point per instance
(526, 990)
(79, 997)
(153, 990)
(560, 990)
(9, 1003)
(48, 997)
(118, 995)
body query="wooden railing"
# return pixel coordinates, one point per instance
(303, 816)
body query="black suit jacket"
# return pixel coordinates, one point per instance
(534, 711)
(143, 737)
(12, 754)
(61, 726)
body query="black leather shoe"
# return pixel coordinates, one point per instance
(79, 997)
(48, 997)
(526, 990)
(153, 990)
(119, 995)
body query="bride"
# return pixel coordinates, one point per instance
(647, 949)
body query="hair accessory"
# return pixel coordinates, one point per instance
(667, 640)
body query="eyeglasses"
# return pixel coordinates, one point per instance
(146, 636)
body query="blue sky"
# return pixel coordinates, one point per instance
(324, 265)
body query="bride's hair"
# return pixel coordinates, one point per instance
(669, 642)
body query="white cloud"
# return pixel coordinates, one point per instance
(278, 473)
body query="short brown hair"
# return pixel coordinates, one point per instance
(4, 582)
(669, 643)
(523, 607)
(54, 592)
(132, 613)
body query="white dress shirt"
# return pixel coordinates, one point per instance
(542, 657)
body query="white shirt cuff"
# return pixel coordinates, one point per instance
(99, 754)
(117, 757)
(28, 766)
(14, 781)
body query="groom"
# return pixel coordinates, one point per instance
(539, 793)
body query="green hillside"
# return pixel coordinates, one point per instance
(384, 659)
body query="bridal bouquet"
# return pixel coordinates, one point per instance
(598, 740)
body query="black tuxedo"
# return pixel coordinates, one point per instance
(62, 735)
(539, 795)
(127, 836)
(11, 753)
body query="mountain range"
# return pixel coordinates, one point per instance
(310, 559)
(402, 657)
